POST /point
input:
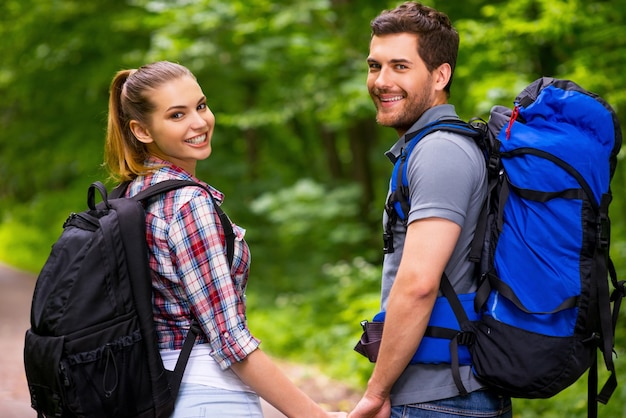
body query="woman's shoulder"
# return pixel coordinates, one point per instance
(189, 198)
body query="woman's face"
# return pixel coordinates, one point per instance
(180, 128)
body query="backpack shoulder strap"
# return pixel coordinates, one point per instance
(398, 203)
(175, 377)
(398, 206)
(169, 185)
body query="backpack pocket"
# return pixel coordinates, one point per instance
(105, 371)
(42, 355)
(525, 364)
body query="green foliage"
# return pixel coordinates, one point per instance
(322, 326)
(310, 221)
(53, 81)
(295, 147)
(27, 232)
(514, 42)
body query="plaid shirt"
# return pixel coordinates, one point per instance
(190, 271)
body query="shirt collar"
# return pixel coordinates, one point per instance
(444, 111)
(166, 171)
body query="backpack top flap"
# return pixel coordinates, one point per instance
(90, 246)
(533, 90)
(582, 130)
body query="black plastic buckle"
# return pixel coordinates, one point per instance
(388, 243)
(194, 327)
(619, 292)
(465, 338)
(604, 231)
(494, 163)
(594, 338)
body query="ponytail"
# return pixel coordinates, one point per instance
(116, 153)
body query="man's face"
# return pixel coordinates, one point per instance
(398, 81)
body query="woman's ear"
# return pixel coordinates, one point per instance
(140, 132)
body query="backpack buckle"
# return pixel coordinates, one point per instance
(388, 243)
(494, 163)
(619, 292)
(194, 327)
(594, 338)
(465, 338)
(604, 231)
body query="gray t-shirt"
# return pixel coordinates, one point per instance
(447, 179)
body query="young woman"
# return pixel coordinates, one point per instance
(159, 127)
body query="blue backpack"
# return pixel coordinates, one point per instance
(543, 307)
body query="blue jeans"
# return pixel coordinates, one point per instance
(481, 404)
(200, 401)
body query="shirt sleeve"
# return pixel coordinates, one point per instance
(444, 171)
(196, 240)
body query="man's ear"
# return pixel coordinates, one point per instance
(442, 75)
(140, 132)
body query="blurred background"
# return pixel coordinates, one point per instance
(296, 148)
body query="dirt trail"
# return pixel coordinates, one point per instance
(16, 289)
(15, 294)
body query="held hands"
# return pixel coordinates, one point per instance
(337, 414)
(371, 407)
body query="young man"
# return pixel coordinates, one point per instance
(412, 57)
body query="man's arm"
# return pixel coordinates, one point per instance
(428, 247)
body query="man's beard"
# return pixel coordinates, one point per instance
(413, 107)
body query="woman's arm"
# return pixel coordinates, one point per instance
(259, 372)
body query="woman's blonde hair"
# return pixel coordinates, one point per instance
(129, 99)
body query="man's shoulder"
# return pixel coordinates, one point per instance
(444, 140)
(436, 113)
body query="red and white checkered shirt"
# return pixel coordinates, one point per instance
(190, 272)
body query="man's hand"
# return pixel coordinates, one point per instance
(371, 407)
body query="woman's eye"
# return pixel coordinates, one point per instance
(177, 115)
(202, 106)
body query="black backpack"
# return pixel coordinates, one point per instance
(543, 308)
(92, 347)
